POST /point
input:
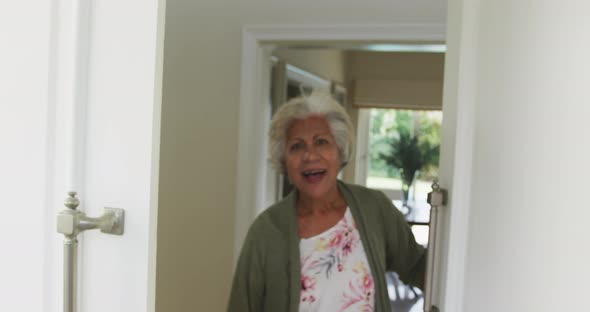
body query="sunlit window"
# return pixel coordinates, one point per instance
(397, 136)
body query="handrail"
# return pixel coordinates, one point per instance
(437, 198)
(71, 222)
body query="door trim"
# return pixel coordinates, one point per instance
(253, 96)
(70, 69)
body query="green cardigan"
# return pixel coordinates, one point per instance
(267, 277)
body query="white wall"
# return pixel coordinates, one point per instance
(200, 131)
(23, 122)
(122, 152)
(117, 94)
(528, 233)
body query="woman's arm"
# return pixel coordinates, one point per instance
(248, 283)
(403, 254)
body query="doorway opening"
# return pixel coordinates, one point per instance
(361, 78)
(257, 48)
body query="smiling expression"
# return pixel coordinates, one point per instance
(312, 158)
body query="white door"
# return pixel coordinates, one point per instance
(93, 69)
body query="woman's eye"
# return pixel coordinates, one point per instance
(295, 146)
(322, 141)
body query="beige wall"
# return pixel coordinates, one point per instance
(396, 80)
(200, 110)
(327, 64)
(369, 65)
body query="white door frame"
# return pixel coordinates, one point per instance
(254, 100)
(69, 116)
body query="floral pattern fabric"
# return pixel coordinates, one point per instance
(335, 273)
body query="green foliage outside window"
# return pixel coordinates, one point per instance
(404, 139)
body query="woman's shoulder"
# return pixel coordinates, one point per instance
(359, 189)
(370, 203)
(363, 193)
(274, 219)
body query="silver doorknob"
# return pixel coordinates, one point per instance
(71, 221)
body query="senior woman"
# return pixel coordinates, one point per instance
(327, 245)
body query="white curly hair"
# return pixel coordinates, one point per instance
(317, 104)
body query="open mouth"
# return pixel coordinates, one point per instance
(314, 175)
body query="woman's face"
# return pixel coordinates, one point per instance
(312, 158)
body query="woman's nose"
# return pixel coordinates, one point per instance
(310, 154)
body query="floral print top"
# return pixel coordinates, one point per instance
(335, 273)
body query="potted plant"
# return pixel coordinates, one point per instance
(409, 153)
